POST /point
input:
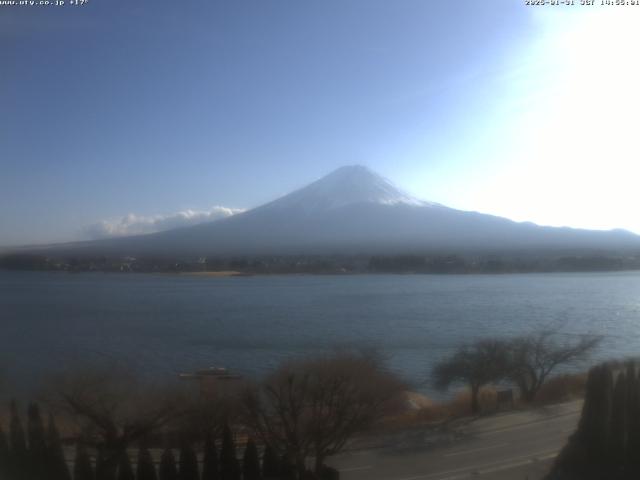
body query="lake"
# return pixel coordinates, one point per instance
(165, 324)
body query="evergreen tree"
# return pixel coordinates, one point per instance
(618, 427)
(229, 469)
(287, 469)
(308, 475)
(329, 473)
(593, 430)
(633, 442)
(17, 443)
(4, 454)
(99, 465)
(630, 375)
(125, 470)
(37, 442)
(210, 469)
(82, 468)
(251, 462)
(107, 463)
(168, 470)
(188, 463)
(102, 470)
(607, 440)
(588, 406)
(145, 470)
(270, 463)
(56, 464)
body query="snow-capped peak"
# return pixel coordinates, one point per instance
(345, 186)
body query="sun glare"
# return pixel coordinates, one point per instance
(577, 128)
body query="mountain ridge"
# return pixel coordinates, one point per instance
(353, 210)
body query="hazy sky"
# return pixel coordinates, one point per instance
(158, 111)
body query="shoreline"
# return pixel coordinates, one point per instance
(220, 273)
(236, 273)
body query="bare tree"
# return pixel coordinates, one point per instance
(312, 408)
(534, 357)
(476, 365)
(208, 414)
(113, 408)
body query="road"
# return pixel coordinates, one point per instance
(511, 446)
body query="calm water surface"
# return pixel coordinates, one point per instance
(165, 324)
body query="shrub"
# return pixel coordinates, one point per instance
(168, 470)
(145, 469)
(251, 462)
(188, 463)
(270, 463)
(125, 471)
(210, 468)
(57, 465)
(229, 468)
(82, 468)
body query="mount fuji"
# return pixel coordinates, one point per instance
(353, 210)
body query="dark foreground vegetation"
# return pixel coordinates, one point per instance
(606, 444)
(39, 455)
(523, 262)
(123, 429)
(108, 424)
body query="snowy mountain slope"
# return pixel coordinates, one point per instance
(345, 186)
(354, 210)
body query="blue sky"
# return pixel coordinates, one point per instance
(150, 108)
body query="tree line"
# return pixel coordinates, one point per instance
(513, 263)
(427, 263)
(526, 361)
(284, 427)
(606, 443)
(38, 454)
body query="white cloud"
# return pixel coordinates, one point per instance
(133, 224)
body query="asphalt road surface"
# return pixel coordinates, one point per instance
(511, 446)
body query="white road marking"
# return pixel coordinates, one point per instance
(485, 468)
(516, 464)
(515, 427)
(355, 469)
(474, 450)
